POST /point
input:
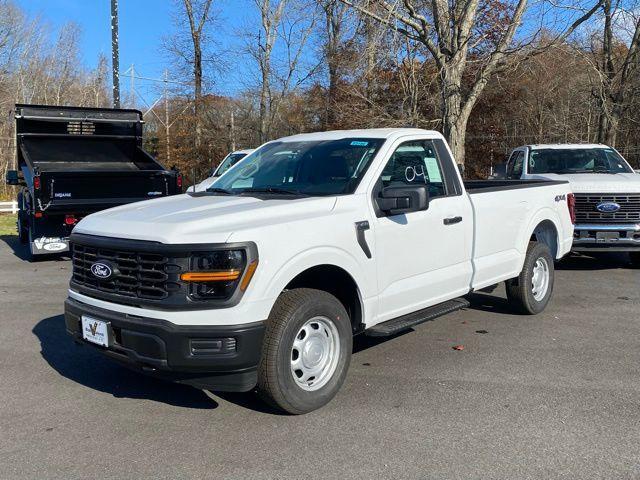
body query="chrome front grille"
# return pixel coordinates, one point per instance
(587, 212)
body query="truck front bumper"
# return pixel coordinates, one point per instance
(221, 357)
(610, 237)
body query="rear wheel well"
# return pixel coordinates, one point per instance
(546, 232)
(337, 282)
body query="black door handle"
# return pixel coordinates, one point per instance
(452, 220)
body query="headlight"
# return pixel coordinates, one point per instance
(216, 275)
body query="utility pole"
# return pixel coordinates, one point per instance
(115, 56)
(132, 86)
(166, 112)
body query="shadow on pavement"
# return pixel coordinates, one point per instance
(595, 261)
(363, 342)
(250, 401)
(19, 250)
(489, 303)
(89, 368)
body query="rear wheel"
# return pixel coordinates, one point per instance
(531, 291)
(306, 351)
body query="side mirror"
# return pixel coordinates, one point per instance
(12, 177)
(499, 172)
(403, 199)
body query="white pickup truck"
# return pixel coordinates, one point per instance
(606, 189)
(264, 279)
(227, 162)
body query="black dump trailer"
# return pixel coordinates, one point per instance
(73, 161)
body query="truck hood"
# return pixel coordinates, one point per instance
(597, 182)
(199, 219)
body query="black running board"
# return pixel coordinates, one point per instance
(396, 325)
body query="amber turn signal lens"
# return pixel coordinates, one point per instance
(251, 269)
(219, 276)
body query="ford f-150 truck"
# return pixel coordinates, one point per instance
(606, 189)
(264, 279)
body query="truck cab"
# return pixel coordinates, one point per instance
(606, 190)
(263, 280)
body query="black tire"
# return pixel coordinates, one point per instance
(276, 383)
(520, 289)
(635, 259)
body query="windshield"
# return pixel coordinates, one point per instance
(329, 167)
(228, 162)
(577, 160)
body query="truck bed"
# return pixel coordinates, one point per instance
(56, 154)
(503, 218)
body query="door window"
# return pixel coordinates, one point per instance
(514, 169)
(415, 163)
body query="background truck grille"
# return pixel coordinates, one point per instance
(586, 211)
(142, 275)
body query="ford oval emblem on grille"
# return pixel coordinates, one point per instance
(608, 207)
(102, 270)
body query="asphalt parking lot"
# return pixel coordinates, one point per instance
(551, 396)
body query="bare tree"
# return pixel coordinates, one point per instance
(198, 14)
(615, 62)
(270, 16)
(334, 13)
(462, 46)
(292, 25)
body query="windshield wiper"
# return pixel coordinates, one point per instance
(276, 190)
(572, 170)
(219, 190)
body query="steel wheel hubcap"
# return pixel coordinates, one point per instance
(540, 279)
(315, 353)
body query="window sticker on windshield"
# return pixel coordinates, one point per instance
(358, 143)
(433, 171)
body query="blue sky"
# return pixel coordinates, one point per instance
(143, 23)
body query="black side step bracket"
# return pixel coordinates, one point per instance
(396, 325)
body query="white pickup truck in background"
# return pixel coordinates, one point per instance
(227, 162)
(606, 189)
(264, 279)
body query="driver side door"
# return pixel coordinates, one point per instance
(423, 257)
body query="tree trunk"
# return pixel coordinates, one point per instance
(196, 37)
(608, 128)
(334, 14)
(264, 103)
(197, 75)
(332, 94)
(454, 117)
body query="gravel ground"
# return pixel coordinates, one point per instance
(551, 396)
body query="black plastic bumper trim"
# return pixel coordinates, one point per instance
(163, 349)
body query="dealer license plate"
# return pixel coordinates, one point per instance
(605, 237)
(95, 331)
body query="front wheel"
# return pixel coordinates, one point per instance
(306, 351)
(531, 291)
(635, 259)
